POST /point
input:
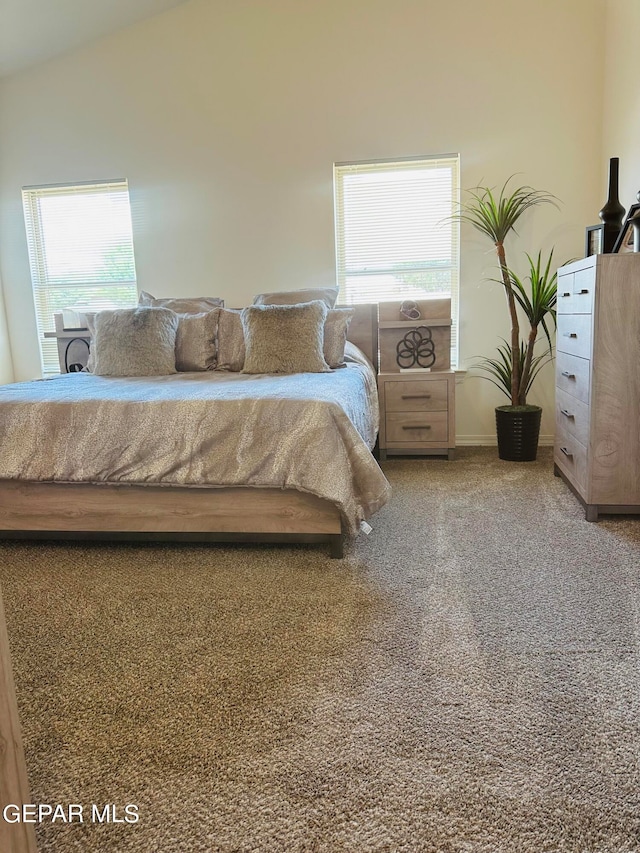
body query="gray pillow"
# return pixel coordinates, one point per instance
(195, 341)
(328, 295)
(336, 327)
(91, 325)
(230, 341)
(192, 305)
(134, 342)
(284, 338)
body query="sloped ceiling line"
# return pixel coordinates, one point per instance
(33, 31)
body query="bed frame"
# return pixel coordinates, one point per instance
(31, 510)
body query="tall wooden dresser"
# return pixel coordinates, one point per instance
(597, 444)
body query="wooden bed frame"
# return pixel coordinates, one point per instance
(31, 510)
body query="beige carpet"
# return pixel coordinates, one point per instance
(464, 681)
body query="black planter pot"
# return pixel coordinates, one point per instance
(518, 429)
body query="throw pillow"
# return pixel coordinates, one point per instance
(284, 338)
(134, 342)
(230, 342)
(335, 335)
(91, 325)
(328, 295)
(195, 341)
(191, 305)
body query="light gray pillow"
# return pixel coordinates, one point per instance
(230, 341)
(91, 318)
(134, 342)
(284, 338)
(191, 305)
(328, 295)
(336, 327)
(196, 341)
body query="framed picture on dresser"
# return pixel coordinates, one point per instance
(594, 240)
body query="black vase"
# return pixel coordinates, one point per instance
(518, 431)
(613, 212)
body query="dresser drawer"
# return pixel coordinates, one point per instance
(572, 416)
(573, 375)
(414, 428)
(416, 395)
(566, 298)
(576, 292)
(574, 334)
(584, 288)
(571, 457)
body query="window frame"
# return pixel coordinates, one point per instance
(44, 288)
(452, 161)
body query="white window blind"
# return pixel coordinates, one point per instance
(395, 236)
(81, 252)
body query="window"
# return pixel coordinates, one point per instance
(81, 252)
(395, 238)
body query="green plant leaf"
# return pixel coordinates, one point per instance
(497, 215)
(498, 370)
(538, 298)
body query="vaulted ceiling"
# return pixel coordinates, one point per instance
(32, 31)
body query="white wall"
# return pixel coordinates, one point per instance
(226, 119)
(621, 118)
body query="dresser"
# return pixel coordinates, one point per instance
(417, 406)
(597, 443)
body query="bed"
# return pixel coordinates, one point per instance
(196, 456)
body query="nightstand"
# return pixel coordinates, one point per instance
(417, 407)
(417, 413)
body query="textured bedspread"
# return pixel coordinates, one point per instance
(310, 432)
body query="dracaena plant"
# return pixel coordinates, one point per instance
(498, 370)
(496, 214)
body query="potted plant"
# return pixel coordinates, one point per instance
(516, 365)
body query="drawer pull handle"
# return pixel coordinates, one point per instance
(567, 414)
(416, 426)
(570, 335)
(416, 397)
(566, 294)
(568, 375)
(584, 291)
(566, 452)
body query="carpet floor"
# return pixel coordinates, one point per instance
(464, 681)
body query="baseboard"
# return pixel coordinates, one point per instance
(491, 441)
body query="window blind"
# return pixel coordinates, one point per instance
(395, 235)
(80, 246)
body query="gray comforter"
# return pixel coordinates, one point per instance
(311, 432)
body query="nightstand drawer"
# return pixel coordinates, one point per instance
(416, 395)
(410, 428)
